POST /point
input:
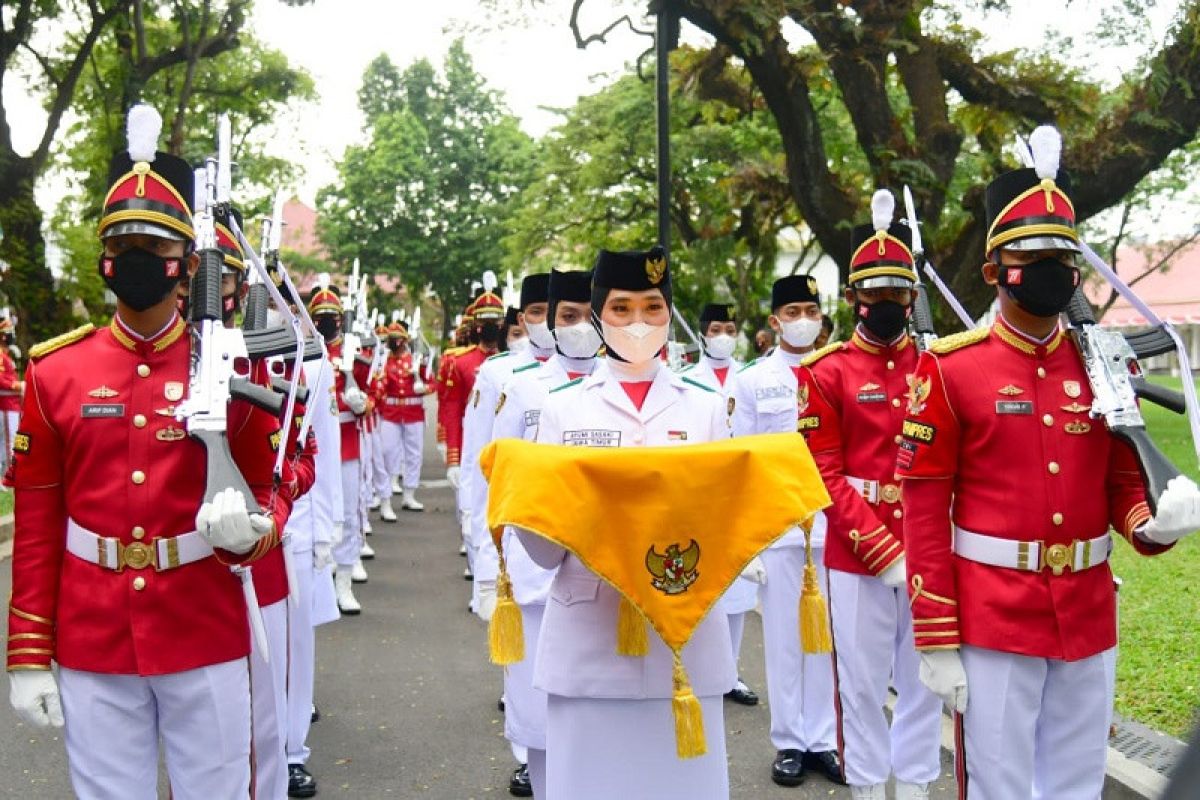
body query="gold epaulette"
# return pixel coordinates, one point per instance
(817, 355)
(62, 340)
(957, 341)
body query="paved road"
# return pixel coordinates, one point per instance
(407, 698)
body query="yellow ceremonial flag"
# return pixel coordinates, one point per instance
(670, 528)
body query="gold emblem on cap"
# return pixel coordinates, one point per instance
(812, 285)
(169, 434)
(1075, 408)
(1011, 390)
(1072, 388)
(1077, 427)
(655, 269)
(173, 390)
(102, 392)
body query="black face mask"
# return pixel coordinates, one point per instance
(1043, 287)
(139, 278)
(328, 325)
(489, 332)
(885, 319)
(395, 347)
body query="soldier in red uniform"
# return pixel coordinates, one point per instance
(403, 410)
(1009, 493)
(460, 342)
(121, 574)
(326, 310)
(11, 386)
(851, 413)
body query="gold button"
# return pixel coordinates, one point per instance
(1057, 518)
(1047, 420)
(1053, 467)
(139, 477)
(891, 365)
(144, 370)
(139, 583)
(898, 439)
(138, 531)
(895, 402)
(897, 513)
(1041, 372)
(139, 421)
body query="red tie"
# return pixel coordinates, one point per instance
(637, 392)
(721, 373)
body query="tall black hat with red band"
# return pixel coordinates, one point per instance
(881, 253)
(1030, 208)
(227, 242)
(150, 191)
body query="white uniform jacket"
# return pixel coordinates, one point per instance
(576, 654)
(314, 515)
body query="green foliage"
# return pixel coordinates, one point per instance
(427, 197)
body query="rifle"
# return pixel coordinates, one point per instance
(922, 317)
(1117, 382)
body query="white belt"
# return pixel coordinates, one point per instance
(1032, 556)
(403, 401)
(874, 491)
(346, 416)
(162, 554)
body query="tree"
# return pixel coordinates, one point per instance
(428, 195)
(926, 107)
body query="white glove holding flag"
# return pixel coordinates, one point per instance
(322, 556)
(486, 605)
(356, 399)
(755, 572)
(225, 523)
(895, 576)
(1178, 513)
(34, 696)
(454, 475)
(942, 672)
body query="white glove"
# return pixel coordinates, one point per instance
(339, 533)
(322, 555)
(486, 605)
(895, 576)
(942, 671)
(225, 523)
(454, 475)
(1178, 513)
(34, 696)
(755, 572)
(356, 399)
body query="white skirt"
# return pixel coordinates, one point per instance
(525, 706)
(606, 749)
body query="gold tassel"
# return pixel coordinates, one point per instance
(632, 639)
(814, 615)
(506, 631)
(689, 717)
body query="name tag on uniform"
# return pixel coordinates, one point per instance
(532, 417)
(768, 392)
(1020, 407)
(592, 438)
(872, 397)
(103, 410)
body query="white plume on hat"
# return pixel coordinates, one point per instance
(883, 208)
(1046, 144)
(396, 315)
(142, 129)
(323, 280)
(490, 282)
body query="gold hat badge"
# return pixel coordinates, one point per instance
(655, 269)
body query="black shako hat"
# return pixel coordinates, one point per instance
(573, 286)
(150, 191)
(794, 289)
(632, 270)
(535, 289)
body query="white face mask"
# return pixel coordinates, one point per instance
(800, 332)
(720, 346)
(519, 346)
(539, 334)
(274, 318)
(637, 343)
(577, 341)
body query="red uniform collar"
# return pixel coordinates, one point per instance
(156, 343)
(1023, 342)
(869, 345)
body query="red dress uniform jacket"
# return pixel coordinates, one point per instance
(855, 396)
(10, 396)
(460, 382)
(99, 444)
(400, 401)
(445, 368)
(348, 419)
(999, 424)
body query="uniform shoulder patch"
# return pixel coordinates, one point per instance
(957, 341)
(816, 356)
(748, 365)
(527, 367)
(699, 384)
(566, 385)
(63, 340)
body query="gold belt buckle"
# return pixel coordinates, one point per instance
(1058, 557)
(138, 555)
(890, 493)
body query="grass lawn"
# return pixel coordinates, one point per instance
(1158, 670)
(6, 502)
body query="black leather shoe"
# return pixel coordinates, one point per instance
(316, 713)
(300, 782)
(500, 704)
(742, 695)
(827, 763)
(519, 784)
(788, 769)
